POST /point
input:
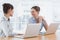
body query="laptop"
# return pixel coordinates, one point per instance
(32, 30)
(51, 29)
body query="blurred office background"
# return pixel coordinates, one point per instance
(50, 10)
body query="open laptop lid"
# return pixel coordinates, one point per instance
(52, 28)
(32, 30)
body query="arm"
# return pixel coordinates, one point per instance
(45, 24)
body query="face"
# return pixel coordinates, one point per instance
(34, 12)
(10, 12)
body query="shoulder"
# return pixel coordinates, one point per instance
(30, 18)
(1, 19)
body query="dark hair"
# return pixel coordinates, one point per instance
(36, 8)
(6, 7)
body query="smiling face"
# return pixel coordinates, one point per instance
(34, 12)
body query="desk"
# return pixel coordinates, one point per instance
(55, 36)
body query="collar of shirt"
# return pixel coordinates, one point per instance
(6, 18)
(32, 20)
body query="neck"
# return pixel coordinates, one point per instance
(36, 17)
(6, 15)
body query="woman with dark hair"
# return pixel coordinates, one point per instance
(6, 28)
(36, 18)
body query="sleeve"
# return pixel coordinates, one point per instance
(0, 28)
(3, 26)
(29, 20)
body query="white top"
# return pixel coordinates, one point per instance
(5, 26)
